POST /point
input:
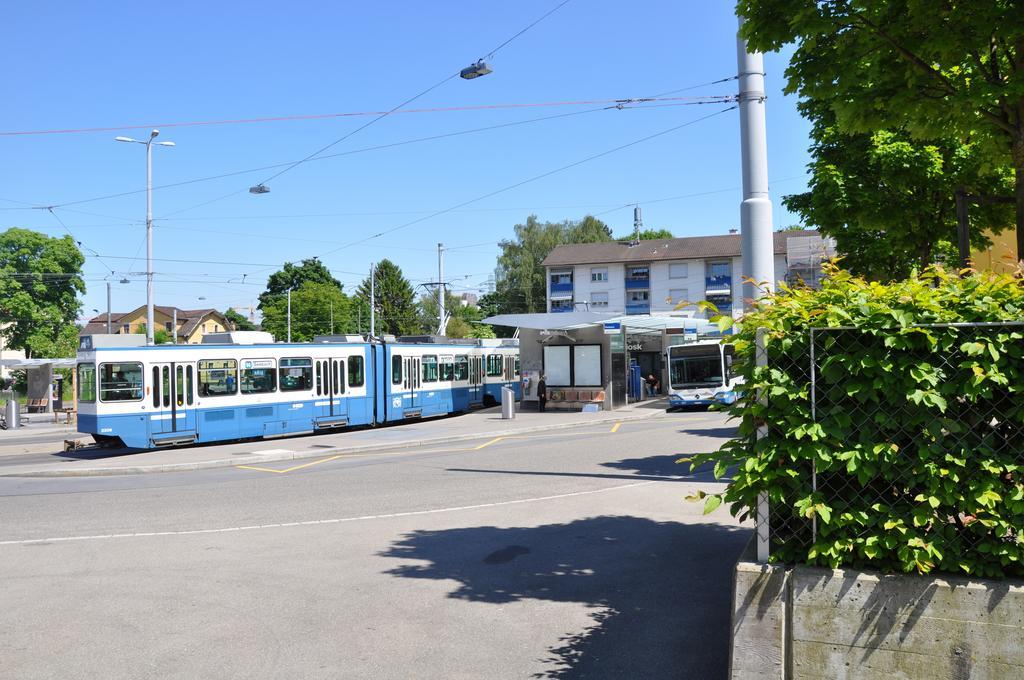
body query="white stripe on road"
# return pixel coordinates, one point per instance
(315, 522)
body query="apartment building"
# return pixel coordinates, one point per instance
(671, 275)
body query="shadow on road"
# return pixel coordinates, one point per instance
(659, 591)
(713, 432)
(661, 468)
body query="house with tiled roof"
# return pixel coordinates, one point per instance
(192, 324)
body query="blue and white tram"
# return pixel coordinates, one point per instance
(146, 397)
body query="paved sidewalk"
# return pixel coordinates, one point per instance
(40, 453)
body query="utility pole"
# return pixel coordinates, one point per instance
(373, 299)
(108, 308)
(174, 325)
(758, 246)
(332, 317)
(289, 315)
(638, 225)
(440, 289)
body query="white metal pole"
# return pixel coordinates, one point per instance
(440, 289)
(149, 240)
(373, 300)
(108, 308)
(289, 315)
(756, 208)
(174, 326)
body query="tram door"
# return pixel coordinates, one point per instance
(330, 390)
(172, 397)
(411, 383)
(476, 379)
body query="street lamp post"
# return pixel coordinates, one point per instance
(149, 224)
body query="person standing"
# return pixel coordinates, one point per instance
(542, 392)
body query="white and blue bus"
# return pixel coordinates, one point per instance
(164, 395)
(701, 374)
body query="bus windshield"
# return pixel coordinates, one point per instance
(696, 371)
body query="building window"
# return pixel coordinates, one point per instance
(561, 305)
(719, 269)
(678, 270)
(561, 278)
(678, 295)
(206, 328)
(638, 273)
(599, 300)
(598, 274)
(126, 328)
(167, 326)
(638, 297)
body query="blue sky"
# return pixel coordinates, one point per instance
(72, 65)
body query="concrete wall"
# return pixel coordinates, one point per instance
(39, 380)
(806, 623)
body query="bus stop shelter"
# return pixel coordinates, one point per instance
(587, 356)
(39, 372)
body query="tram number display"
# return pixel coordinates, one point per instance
(258, 363)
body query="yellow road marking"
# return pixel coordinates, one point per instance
(486, 444)
(616, 426)
(294, 467)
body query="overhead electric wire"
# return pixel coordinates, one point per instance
(75, 238)
(531, 179)
(350, 114)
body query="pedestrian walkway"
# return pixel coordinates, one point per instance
(41, 454)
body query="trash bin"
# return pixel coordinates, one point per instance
(508, 403)
(11, 414)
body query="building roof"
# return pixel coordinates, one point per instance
(188, 318)
(690, 248)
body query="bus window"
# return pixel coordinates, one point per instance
(396, 369)
(429, 368)
(217, 377)
(355, 371)
(462, 367)
(86, 382)
(121, 382)
(258, 376)
(295, 375)
(445, 369)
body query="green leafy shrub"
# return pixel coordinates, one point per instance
(892, 439)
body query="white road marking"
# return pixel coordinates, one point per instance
(315, 522)
(268, 452)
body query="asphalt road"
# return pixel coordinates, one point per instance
(569, 554)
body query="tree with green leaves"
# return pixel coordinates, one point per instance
(466, 318)
(650, 235)
(238, 321)
(317, 309)
(394, 300)
(521, 286)
(292, 276)
(888, 198)
(160, 335)
(40, 281)
(936, 70)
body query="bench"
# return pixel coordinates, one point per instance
(574, 399)
(68, 415)
(35, 406)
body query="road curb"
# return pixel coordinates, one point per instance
(301, 455)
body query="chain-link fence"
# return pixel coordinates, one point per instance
(915, 433)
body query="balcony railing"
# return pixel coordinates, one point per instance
(638, 283)
(561, 287)
(559, 310)
(718, 283)
(638, 308)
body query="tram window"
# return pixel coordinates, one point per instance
(319, 378)
(218, 377)
(396, 369)
(258, 376)
(429, 368)
(447, 371)
(156, 387)
(120, 382)
(461, 367)
(189, 389)
(339, 375)
(166, 387)
(295, 375)
(494, 367)
(355, 371)
(86, 382)
(179, 384)
(517, 365)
